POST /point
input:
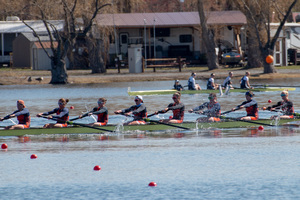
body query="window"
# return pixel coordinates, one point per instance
(185, 38)
(160, 32)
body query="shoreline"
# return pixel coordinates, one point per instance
(20, 76)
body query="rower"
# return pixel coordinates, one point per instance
(192, 85)
(101, 112)
(245, 84)
(138, 110)
(178, 110)
(250, 105)
(22, 115)
(286, 106)
(62, 115)
(213, 111)
(211, 85)
(227, 82)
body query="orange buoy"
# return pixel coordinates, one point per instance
(269, 59)
(4, 146)
(97, 168)
(152, 184)
(33, 156)
(261, 128)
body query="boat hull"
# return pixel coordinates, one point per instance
(165, 92)
(148, 127)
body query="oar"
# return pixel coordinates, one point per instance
(78, 124)
(155, 113)
(248, 121)
(229, 111)
(88, 126)
(280, 111)
(158, 122)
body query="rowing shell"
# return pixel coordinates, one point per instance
(149, 127)
(163, 92)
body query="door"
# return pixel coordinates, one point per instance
(278, 53)
(123, 43)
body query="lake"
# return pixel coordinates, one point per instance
(202, 164)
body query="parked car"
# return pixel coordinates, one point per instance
(231, 58)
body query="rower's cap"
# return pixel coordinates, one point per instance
(139, 97)
(21, 102)
(249, 93)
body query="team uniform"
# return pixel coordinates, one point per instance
(23, 117)
(102, 114)
(210, 83)
(213, 110)
(287, 108)
(192, 83)
(178, 111)
(62, 115)
(251, 109)
(139, 112)
(244, 81)
(227, 82)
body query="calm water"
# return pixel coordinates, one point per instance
(207, 164)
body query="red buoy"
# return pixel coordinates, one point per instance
(152, 184)
(71, 107)
(261, 128)
(97, 168)
(4, 146)
(33, 156)
(270, 101)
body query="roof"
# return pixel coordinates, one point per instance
(170, 19)
(47, 45)
(20, 27)
(31, 37)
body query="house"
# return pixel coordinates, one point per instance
(12, 28)
(29, 53)
(171, 34)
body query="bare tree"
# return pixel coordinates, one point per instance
(258, 18)
(208, 39)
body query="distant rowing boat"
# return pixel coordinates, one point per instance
(164, 92)
(148, 127)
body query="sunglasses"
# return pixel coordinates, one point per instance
(100, 102)
(174, 97)
(59, 103)
(136, 100)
